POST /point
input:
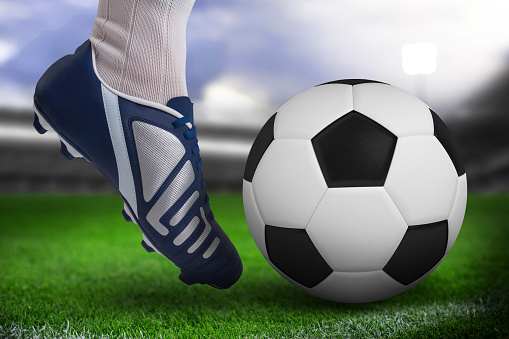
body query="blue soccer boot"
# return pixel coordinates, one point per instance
(150, 153)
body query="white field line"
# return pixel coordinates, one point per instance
(389, 321)
(63, 332)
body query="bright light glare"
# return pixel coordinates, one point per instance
(419, 58)
(227, 97)
(7, 51)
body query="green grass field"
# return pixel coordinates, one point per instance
(70, 266)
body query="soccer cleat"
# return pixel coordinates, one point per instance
(150, 153)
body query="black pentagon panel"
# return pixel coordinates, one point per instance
(260, 145)
(422, 248)
(293, 252)
(354, 151)
(352, 82)
(443, 135)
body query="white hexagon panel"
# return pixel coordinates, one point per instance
(358, 287)
(288, 183)
(254, 219)
(400, 112)
(356, 229)
(309, 112)
(422, 180)
(458, 212)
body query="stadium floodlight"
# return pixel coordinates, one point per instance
(419, 58)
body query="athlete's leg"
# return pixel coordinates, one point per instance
(140, 47)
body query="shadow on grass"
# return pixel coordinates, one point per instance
(264, 293)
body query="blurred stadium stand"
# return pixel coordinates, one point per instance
(483, 136)
(32, 163)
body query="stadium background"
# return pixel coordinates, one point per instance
(245, 59)
(70, 266)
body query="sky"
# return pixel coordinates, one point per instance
(246, 58)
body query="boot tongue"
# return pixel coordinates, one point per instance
(183, 105)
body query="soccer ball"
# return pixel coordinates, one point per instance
(354, 191)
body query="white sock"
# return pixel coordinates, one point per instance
(140, 47)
